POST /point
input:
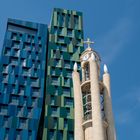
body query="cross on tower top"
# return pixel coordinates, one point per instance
(88, 42)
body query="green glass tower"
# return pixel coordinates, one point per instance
(64, 48)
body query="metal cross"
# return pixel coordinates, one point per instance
(88, 42)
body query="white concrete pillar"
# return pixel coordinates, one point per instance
(97, 123)
(89, 133)
(78, 106)
(111, 134)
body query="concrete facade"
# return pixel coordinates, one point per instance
(78, 107)
(108, 107)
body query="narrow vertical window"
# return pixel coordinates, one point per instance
(58, 18)
(51, 135)
(87, 107)
(86, 67)
(63, 19)
(68, 21)
(102, 105)
(76, 21)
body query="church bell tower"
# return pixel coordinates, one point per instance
(92, 99)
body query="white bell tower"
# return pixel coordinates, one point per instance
(92, 99)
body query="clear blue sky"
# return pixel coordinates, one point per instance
(114, 25)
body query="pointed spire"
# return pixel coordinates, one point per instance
(75, 66)
(105, 68)
(93, 56)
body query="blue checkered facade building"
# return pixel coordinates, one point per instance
(22, 79)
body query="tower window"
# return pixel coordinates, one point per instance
(19, 111)
(5, 69)
(6, 134)
(51, 135)
(21, 90)
(29, 111)
(54, 111)
(5, 78)
(69, 73)
(63, 47)
(68, 20)
(55, 122)
(55, 80)
(16, 52)
(14, 99)
(52, 100)
(39, 40)
(55, 30)
(67, 64)
(66, 91)
(26, 45)
(86, 71)
(5, 121)
(76, 21)
(58, 18)
(25, 71)
(15, 44)
(68, 101)
(14, 36)
(87, 107)
(7, 51)
(69, 32)
(30, 134)
(14, 60)
(18, 134)
(23, 62)
(60, 134)
(70, 136)
(102, 105)
(65, 123)
(63, 19)
(22, 122)
(68, 112)
(3, 109)
(60, 30)
(61, 39)
(35, 91)
(66, 82)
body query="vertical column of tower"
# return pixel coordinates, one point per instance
(97, 123)
(78, 132)
(108, 105)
